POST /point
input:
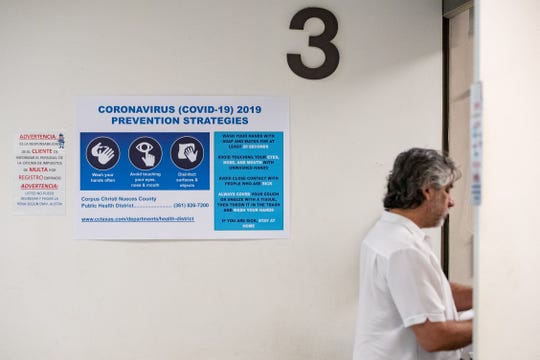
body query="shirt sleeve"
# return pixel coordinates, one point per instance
(416, 288)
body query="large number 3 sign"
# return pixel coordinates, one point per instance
(322, 41)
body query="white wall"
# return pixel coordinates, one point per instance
(275, 299)
(509, 246)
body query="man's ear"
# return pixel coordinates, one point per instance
(428, 192)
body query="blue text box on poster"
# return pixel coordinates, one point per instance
(248, 181)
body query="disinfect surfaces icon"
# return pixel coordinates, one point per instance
(187, 153)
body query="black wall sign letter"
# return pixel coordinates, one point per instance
(322, 41)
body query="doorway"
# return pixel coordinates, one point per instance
(457, 247)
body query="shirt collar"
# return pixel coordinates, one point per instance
(404, 221)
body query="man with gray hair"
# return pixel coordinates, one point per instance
(407, 308)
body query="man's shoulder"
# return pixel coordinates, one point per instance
(388, 236)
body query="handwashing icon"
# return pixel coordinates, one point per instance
(103, 153)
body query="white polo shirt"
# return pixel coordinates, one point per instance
(401, 284)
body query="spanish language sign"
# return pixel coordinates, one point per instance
(190, 167)
(39, 173)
